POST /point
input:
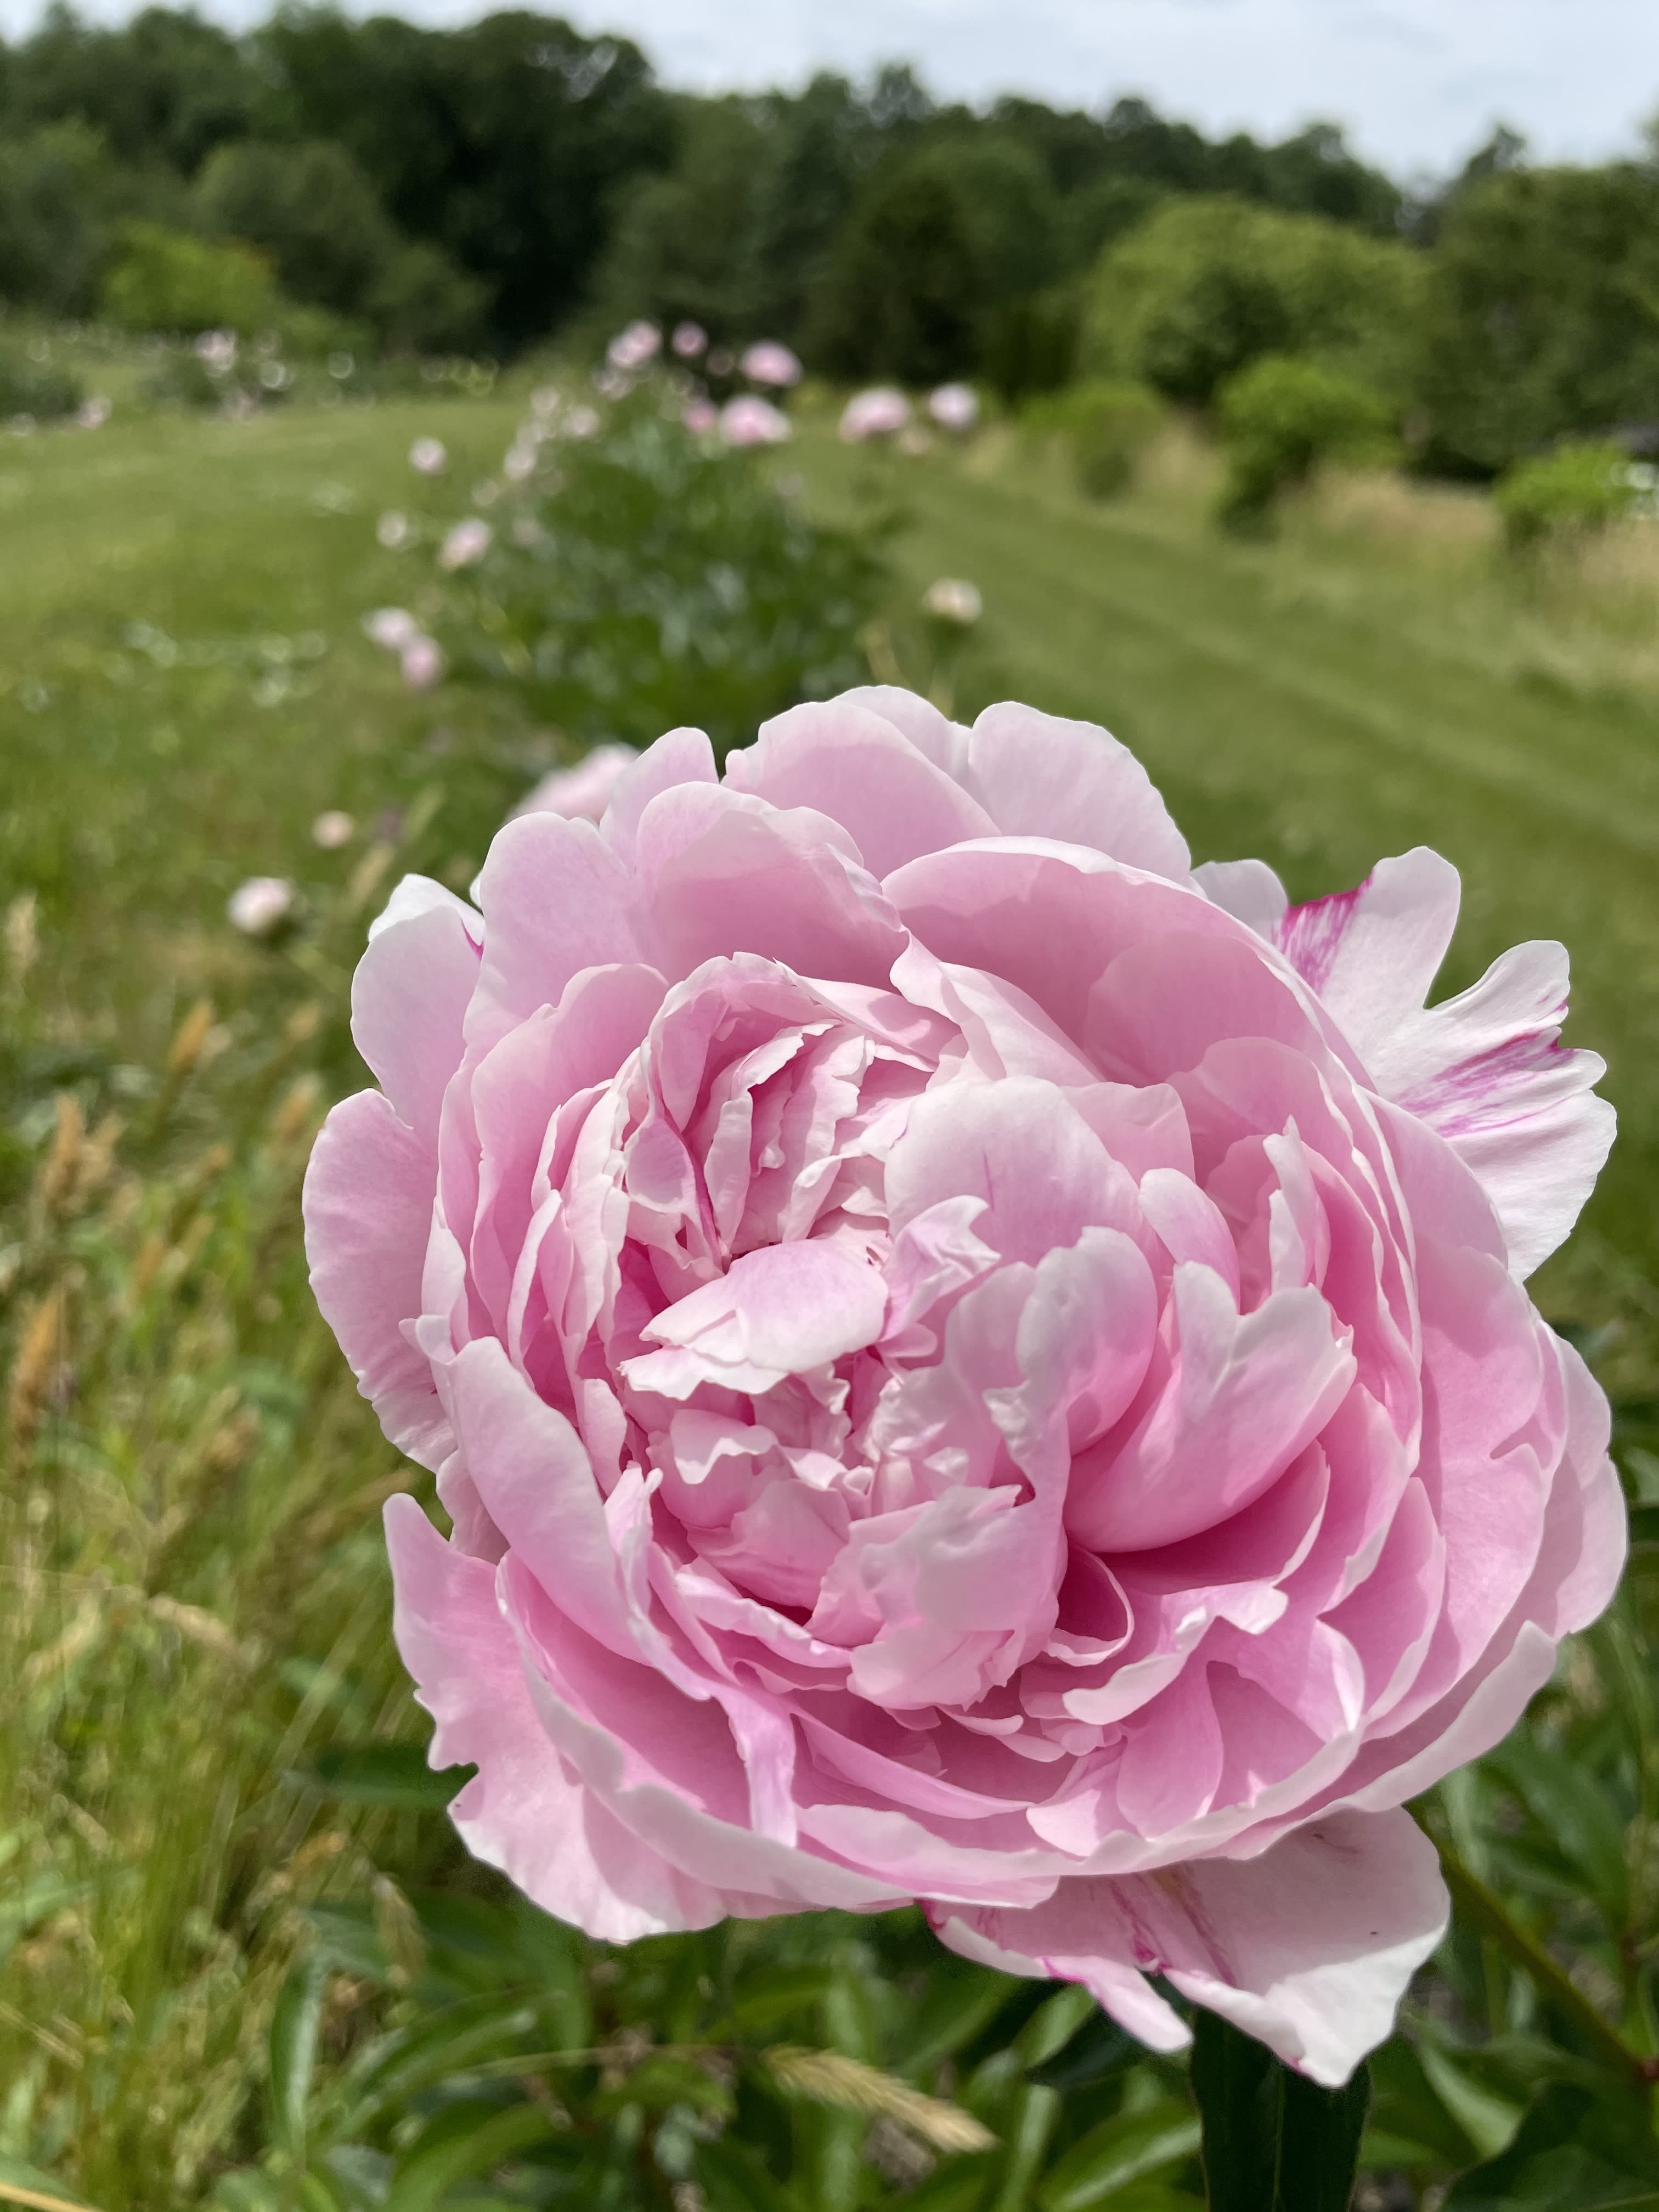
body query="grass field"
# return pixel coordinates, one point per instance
(197, 1602)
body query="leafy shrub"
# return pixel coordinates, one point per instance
(1206, 286)
(166, 280)
(42, 388)
(1106, 426)
(1571, 493)
(1279, 421)
(651, 580)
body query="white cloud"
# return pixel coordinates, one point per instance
(1417, 82)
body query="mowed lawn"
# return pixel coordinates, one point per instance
(184, 686)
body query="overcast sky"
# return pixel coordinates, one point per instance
(1417, 82)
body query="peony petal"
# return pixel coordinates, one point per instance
(845, 762)
(556, 900)
(778, 1312)
(1487, 1071)
(679, 756)
(524, 1811)
(410, 997)
(1309, 1947)
(1037, 775)
(368, 1218)
(1371, 953)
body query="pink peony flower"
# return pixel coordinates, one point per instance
(332, 829)
(954, 406)
(466, 544)
(581, 793)
(689, 339)
(953, 599)
(700, 417)
(877, 413)
(768, 362)
(748, 421)
(969, 1362)
(428, 456)
(259, 907)
(422, 663)
(633, 348)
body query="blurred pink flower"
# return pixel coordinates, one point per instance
(332, 829)
(700, 417)
(954, 406)
(953, 599)
(633, 348)
(467, 542)
(422, 663)
(877, 413)
(428, 456)
(393, 628)
(768, 362)
(582, 792)
(261, 905)
(689, 339)
(581, 422)
(92, 414)
(749, 420)
(394, 531)
(967, 1361)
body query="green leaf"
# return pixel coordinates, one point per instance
(1099, 2050)
(464, 2140)
(1134, 2147)
(294, 2051)
(1573, 2152)
(385, 1774)
(1274, 2141)
(733, 2179)
(1568, 1802)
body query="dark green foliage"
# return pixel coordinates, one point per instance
(57, 203)
(1208, 286)
(649, 582)
(308, 209)
(1541, 313)
(683, 247)
(422, 303)
(164, 89)
(905, 289)
(1273, 2140)
(1030, 343)
(1281, 420)
(506, 142)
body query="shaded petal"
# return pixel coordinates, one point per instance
(1309, 1947)
(368, 1219)
(524, 1811)
(410, 997)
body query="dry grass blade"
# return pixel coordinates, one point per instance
(12, 2192)
(830, 2078)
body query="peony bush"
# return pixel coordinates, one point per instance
(968, 1361)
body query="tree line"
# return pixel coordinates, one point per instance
(511, 180)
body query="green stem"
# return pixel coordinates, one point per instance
(1491, 1916)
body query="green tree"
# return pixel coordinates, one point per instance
(1542, 311)
(683, 246)
(309, 209)
(1206, 286)
(165, 88)
(1282, 420)
(166, 280)
(508, 142)
(58, 199)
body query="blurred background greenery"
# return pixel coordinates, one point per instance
(1333, 501)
